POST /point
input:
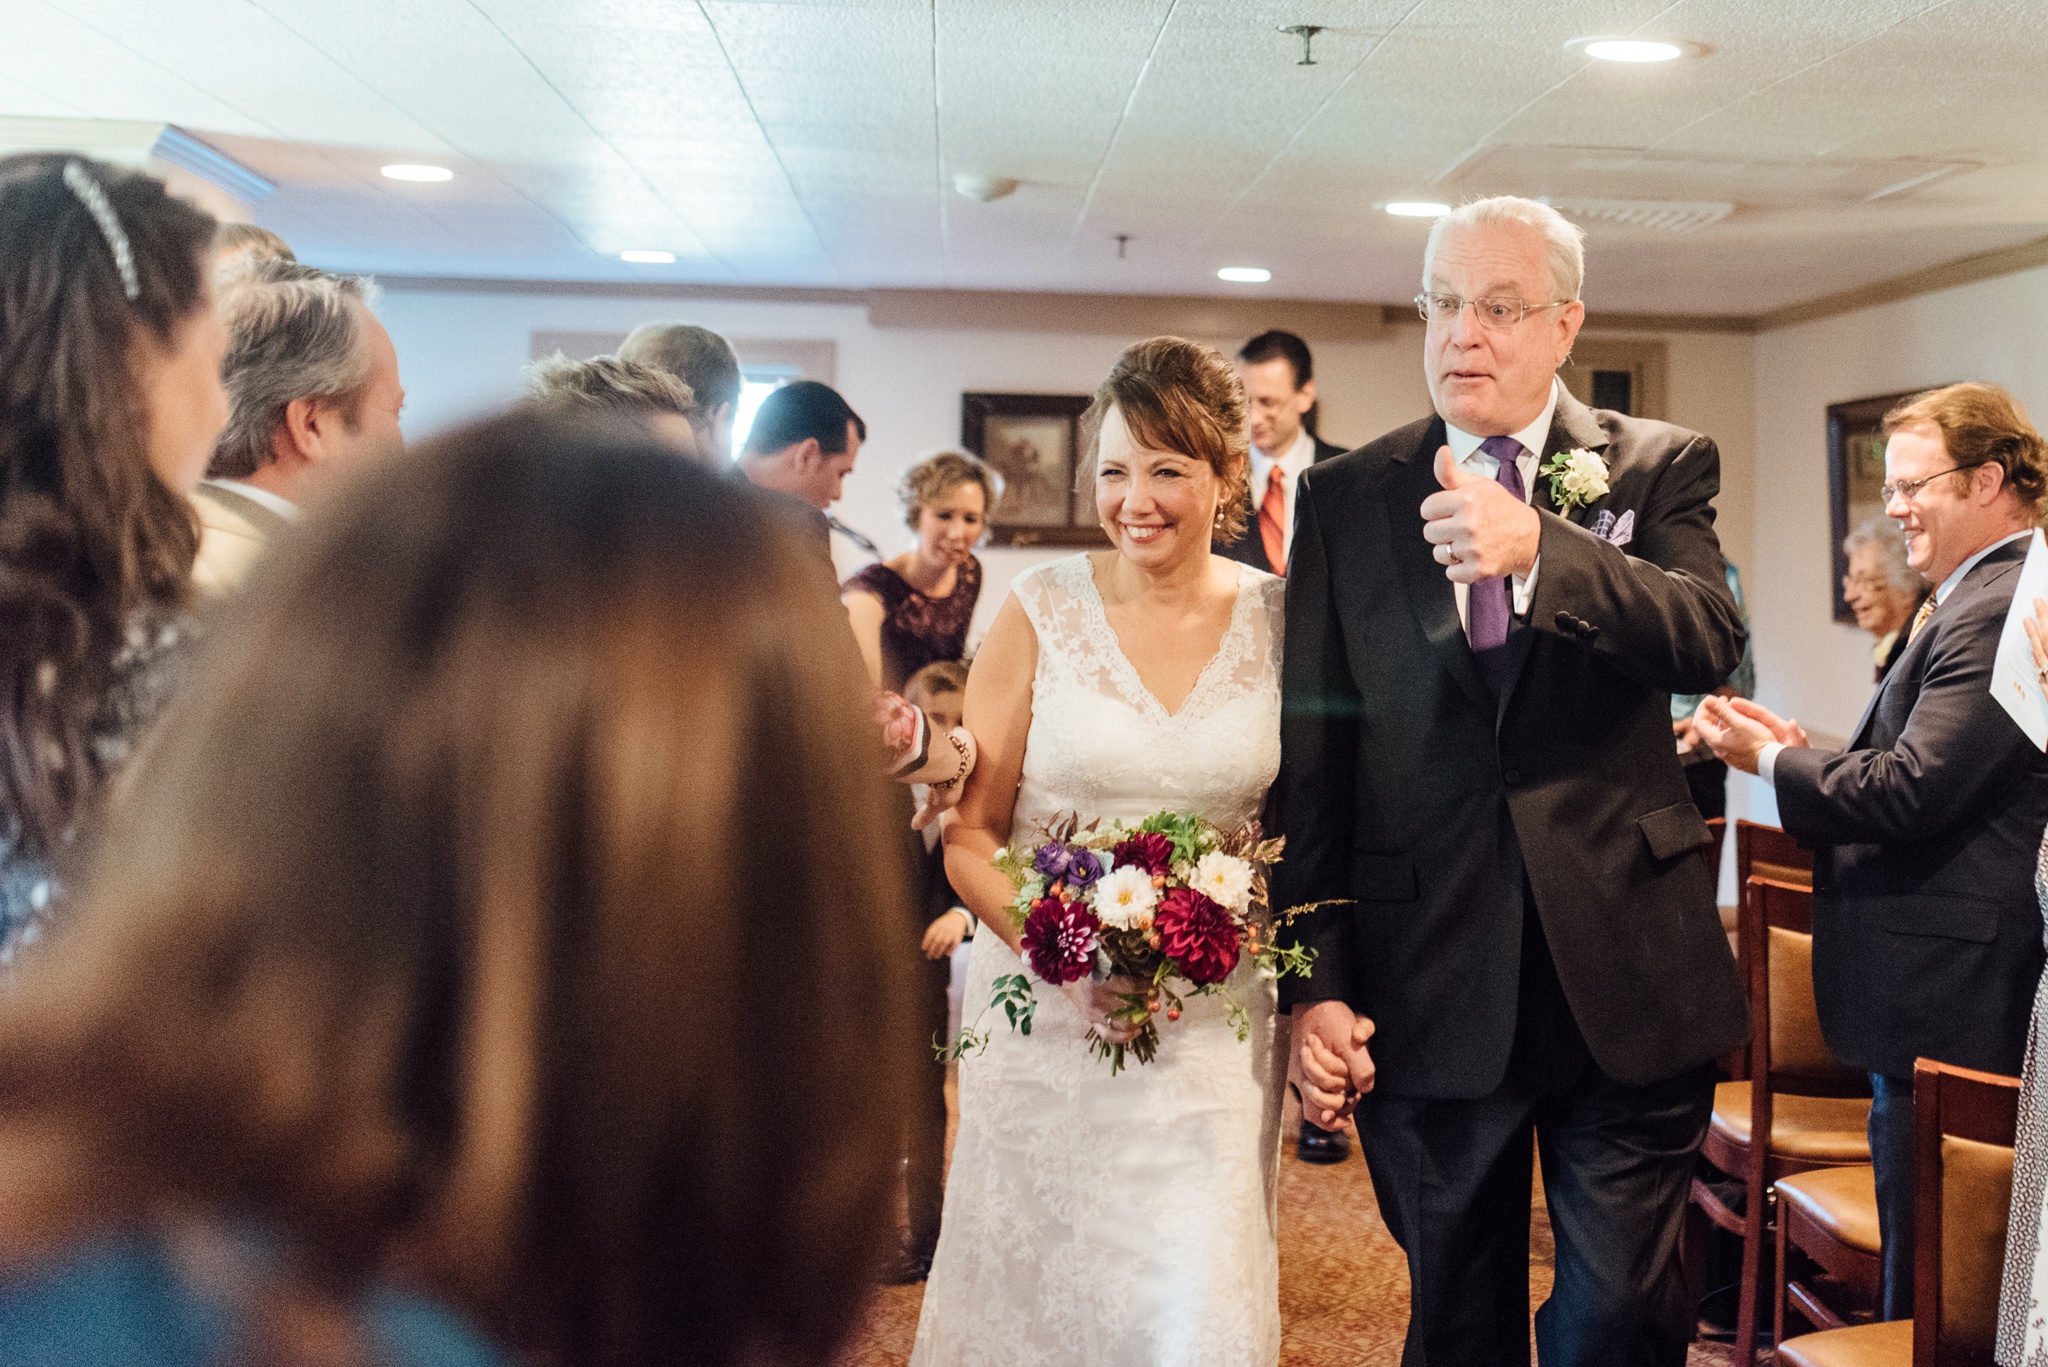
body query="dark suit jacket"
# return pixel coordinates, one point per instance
(1407, 786)
(1926, 932)
(1249, 548)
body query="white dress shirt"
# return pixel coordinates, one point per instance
(283, 507)
(1287, 467)
(1767, 758)
(1465, 450)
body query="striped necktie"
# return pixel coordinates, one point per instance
(1920, 618)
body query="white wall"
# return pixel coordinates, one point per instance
(461, 354)
(1810, 666)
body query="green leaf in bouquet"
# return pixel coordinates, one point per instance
(969, 1041)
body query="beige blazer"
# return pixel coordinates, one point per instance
(233, 532)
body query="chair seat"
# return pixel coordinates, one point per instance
(1842, 1201)
(1887, 1344)
(1820, 1129)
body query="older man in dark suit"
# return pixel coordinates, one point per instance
(1926, 933)
(1487, 613)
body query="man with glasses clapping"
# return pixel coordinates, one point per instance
(1926, 934)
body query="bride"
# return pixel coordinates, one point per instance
(1129, 1219)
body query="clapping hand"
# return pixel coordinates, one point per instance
(1479, 529)
(1737, 730)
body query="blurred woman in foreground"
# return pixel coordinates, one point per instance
(447, 918)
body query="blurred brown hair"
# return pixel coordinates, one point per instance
(89, 535)
(467, 898)
(1181, 396)
(1982, 424)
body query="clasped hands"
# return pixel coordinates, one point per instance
(1737, 730)
(1329, 1064)
(1478, 529)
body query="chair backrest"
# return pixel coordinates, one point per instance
(1767, 850)
(1787, 1051)
(1964, 1126)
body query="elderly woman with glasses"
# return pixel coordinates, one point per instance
(1881, 588)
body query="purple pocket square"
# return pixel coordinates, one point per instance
(1615, 531)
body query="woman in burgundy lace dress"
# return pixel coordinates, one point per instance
(913, 609)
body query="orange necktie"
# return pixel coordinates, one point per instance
(1272, 520)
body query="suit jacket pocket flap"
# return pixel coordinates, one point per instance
(1948, 918)
(1674, 830)
(1382, 877)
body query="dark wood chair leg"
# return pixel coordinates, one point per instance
(1753, 1231)
(1780, 1274)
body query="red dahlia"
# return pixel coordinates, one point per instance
(1198, 935)
(1059, 939)
(1149, 850)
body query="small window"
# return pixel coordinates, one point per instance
(757, 382)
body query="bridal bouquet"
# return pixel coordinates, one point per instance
(1171, 900)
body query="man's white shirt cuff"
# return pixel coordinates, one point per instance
(1525, 588)
(1767, 762)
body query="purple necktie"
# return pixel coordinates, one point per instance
(1490, 606)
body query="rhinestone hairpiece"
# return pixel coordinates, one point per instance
(94, 198)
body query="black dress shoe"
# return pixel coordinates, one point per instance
(1318, 1145)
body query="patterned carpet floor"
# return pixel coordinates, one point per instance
(1343, 1281)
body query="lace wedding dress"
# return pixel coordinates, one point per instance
(1121, 1221)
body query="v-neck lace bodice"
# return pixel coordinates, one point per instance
(1103, 745)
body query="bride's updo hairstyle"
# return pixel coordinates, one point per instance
(1178, 395)
(444, 914)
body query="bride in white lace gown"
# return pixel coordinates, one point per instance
(1090, 1219)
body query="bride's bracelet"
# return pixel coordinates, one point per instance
(959, 751)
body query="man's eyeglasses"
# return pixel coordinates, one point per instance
(1499, 313)
(1909, 489)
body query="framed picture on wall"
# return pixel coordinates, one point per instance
(1855, 474)
(1034, 442)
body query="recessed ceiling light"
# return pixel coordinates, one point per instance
(1417, 208)
(1635, 49)
(648, 258)
(1245, 275)
(406, 171)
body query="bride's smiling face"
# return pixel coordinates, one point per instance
(1157, 506)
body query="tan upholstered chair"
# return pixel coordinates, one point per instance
(1812, 1110)
(1963, 1128)
(1828, 1218)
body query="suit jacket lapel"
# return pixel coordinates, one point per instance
(1572, 426)
(1909, 664)
(1429, 593)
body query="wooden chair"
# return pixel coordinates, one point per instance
(1768, 851)
(1811, 1110)
(1827, 1217)
(1964, 1125)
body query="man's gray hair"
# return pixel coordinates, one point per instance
(699, 357)
(1564, 239)
(294, 332)
(607, 383)
(1884, 534)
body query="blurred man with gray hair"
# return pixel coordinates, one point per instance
(1881, 588)
(313, 388)
(704, 361)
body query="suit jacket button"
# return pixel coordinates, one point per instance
(1566, 622)
(1511, 777)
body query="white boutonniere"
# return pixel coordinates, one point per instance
(1577, 478)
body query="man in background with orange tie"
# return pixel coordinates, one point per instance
(1279, 378)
